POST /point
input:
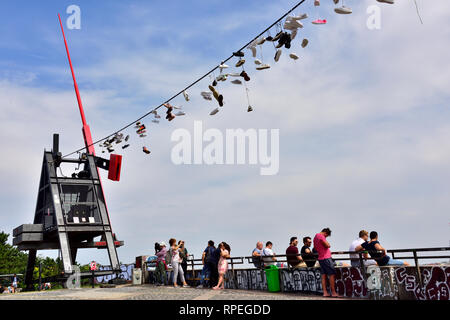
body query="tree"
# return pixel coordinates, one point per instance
(12, 260)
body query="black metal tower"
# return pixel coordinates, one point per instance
(70, 213)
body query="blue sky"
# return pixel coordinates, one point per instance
(363, 118)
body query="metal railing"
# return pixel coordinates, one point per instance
(313, 257)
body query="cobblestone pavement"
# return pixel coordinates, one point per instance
(152, 292)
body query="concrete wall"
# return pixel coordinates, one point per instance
(385, 283)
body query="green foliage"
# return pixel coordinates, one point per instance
(14, 261)
(11, 259)
(49, 267)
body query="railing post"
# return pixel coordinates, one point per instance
(363, 267)
(416, 262)
(193, 271)
(40, 276)
(234, 275)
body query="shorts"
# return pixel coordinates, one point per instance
(327, 266)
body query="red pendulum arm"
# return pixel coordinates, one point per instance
(86, 130)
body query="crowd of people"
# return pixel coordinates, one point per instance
(214, 260)
(215, 265)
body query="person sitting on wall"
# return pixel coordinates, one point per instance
(309, 256)
(268, 255)
(382, 259)
(354, 257)
(293, 259)
(257, 255)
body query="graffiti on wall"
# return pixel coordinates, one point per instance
(435, 283)
(248, 279)
(381, 283)
(385, 283)
(350, 282)
(126, 273)
(301, 280)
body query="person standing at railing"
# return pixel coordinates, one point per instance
(176, 263)
(212, 264)
(292, 257)
(206, 259)
(354, 257)
(160, 271)
(183, 255)
(268, 255)
(223, 264)
(257, 254)
(326, 263)
(381, 258)
(14, 284)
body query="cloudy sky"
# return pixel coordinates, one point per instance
(363, 115)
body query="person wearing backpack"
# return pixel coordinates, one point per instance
(176, 262)
(206, 256)
(160, 271)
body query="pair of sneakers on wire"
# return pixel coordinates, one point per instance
(343, 9)
(141, 132)
(216, 95)
(126, 140)
(292, 22)
(319, 21)
(107, 144)
(240, 55)
(156, 115)
(141, 129)
(169, 113)
(206, 95)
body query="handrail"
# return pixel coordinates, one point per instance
(313, 256)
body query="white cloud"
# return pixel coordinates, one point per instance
(363, 133)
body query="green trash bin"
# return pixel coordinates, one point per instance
(273, 278)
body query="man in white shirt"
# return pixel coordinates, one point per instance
(354, 257)
(268, 255)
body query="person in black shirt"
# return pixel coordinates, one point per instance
(213, 267)
(310, 257)
(206, 259)
(381, 258)
(183, 255)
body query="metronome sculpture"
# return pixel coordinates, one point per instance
(71, 211)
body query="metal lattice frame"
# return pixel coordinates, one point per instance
(70, 213)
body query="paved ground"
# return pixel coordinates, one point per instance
(152, 292)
